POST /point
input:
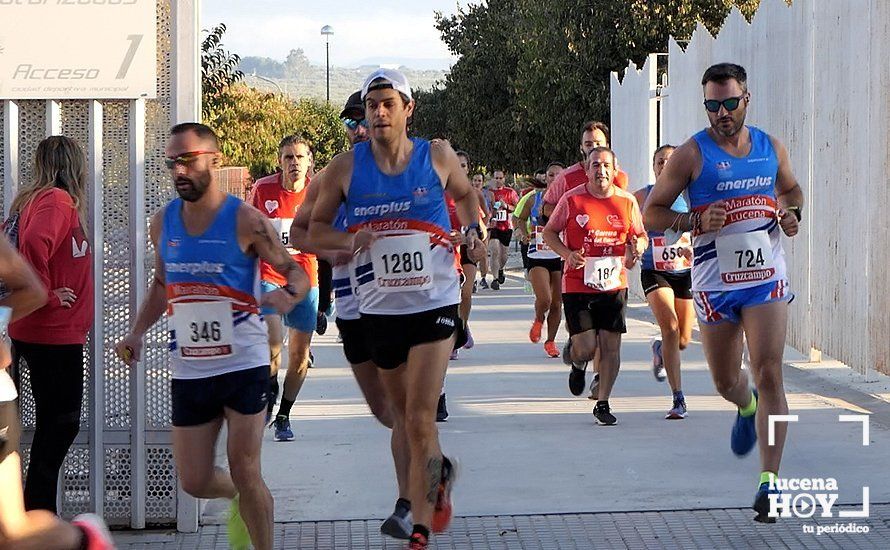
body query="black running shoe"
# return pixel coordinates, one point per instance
(321, 324)
(762, 503)
(495, 285)
(501, 276)
(311, 360)
(603, 415)
(442, 410)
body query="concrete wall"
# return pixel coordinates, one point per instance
(819, 81)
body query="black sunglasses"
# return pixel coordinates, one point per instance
(352, 123)
(730, 103)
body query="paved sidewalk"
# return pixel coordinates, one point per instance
(538, 473)
(704, 529)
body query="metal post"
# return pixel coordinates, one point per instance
(10, 154)
(327, 62)
(53, 117)
(97, 340)
(137, 291)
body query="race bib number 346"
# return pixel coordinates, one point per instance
(745, 257)
(204, 330)
(402, 263)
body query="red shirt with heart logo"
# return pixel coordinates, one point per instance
(281, 205)
(601, 227)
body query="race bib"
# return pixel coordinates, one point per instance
(402, 263)
(745, 257)
(500, 216)
(667, 257)
(603, 273)
(539, 239)
(282, 227)
(204, 330)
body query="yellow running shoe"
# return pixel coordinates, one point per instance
(239, 537)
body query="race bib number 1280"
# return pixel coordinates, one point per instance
(402, 263)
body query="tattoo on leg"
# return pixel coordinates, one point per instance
(434, 476)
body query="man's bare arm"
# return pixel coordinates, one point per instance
(263, 240)
(26, 291)
(299, 229)
(447, 165)
(330, 196)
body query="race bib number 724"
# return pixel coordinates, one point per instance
(745, 257)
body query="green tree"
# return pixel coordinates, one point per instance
(530, 73)
(219, 70)
(250, 123)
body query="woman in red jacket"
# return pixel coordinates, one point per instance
(48, 216)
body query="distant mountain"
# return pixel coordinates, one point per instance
(417, 63)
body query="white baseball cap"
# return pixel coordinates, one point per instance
(387, 79)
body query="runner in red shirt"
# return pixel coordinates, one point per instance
(503, 201)
(279, 196)
(602, 236)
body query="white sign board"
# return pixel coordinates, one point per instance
(78, 49)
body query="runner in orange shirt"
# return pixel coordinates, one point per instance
(603, 236)
(279, 196)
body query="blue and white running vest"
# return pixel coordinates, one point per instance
(213, 296)
(537, 248)
(411, 267)
(342, 280)
(747, 251)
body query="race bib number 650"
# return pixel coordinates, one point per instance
(402, 263)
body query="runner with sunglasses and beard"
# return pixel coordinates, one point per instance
(743, 196)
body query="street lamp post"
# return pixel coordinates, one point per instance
(327, 31)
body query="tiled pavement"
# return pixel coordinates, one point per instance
(701, 529)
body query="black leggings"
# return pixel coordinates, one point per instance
(56, 373)
(325, 277)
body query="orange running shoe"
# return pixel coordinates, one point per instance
(535, 333)
(443, 512)
(550, 348)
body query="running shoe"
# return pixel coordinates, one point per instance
(762, 503)
(339, 338)
(239, 537)
(454, 354)
(658, 360)
(311, 360)
(678, 411)
(418, 542)
(475, 287)
(321, 324)
(501, 276)
(603, 415)
(443, 511)
(470, 342)
(399, 524)
(550, 348)
(576, 380)
(495, 285)
(442, 410)
(94, 531)
(744, 433)
(535, 333)
(483, 283)
(281, 424)
(594, 387)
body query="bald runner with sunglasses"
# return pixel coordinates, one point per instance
(743, 196)
(207, 279)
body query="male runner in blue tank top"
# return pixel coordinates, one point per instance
(742, 196)
(406, 274)
(208, 246)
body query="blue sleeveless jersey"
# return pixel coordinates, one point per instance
(679, 206)
(342, 282)
(211, 269)
(536, 247)
(411, 203)
(748, 186)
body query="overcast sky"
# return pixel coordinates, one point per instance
(376, 29)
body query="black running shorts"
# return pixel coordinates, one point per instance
(391, 337)
(503, 235)
(553, 265)
(355, 345)
(465, 257)
(10, 429)
(680, 283)
(595, 311)
(199, 400)
(523, 249)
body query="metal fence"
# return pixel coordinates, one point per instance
(121, 464)
(827, 99)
